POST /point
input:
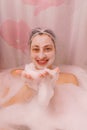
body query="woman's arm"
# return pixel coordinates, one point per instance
(67, 78)
(24, 94)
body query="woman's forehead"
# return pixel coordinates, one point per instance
(42, 40)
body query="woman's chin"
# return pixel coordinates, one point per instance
(41, 66)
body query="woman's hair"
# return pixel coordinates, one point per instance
(40, 31)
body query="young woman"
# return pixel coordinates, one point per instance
(69, 100)
(43, 52)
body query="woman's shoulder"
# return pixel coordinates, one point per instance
(16, 72)
(67, 78)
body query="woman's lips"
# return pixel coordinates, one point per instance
(42, 62)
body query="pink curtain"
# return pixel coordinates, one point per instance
(67, 18)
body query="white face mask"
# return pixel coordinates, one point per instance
(42, 51)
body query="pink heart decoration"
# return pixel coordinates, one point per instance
(43, 4)
(15, 34)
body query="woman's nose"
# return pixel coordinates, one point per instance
(41, 55)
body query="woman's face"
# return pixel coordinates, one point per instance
(42, 51)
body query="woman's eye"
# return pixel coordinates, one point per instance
(48, 49)
(35, 49)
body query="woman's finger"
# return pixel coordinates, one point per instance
(28, 76)
(45, 74)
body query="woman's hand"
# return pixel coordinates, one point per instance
(49, 73)
(49, 77)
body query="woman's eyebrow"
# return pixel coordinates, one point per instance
(35, 46)
(48, 45)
